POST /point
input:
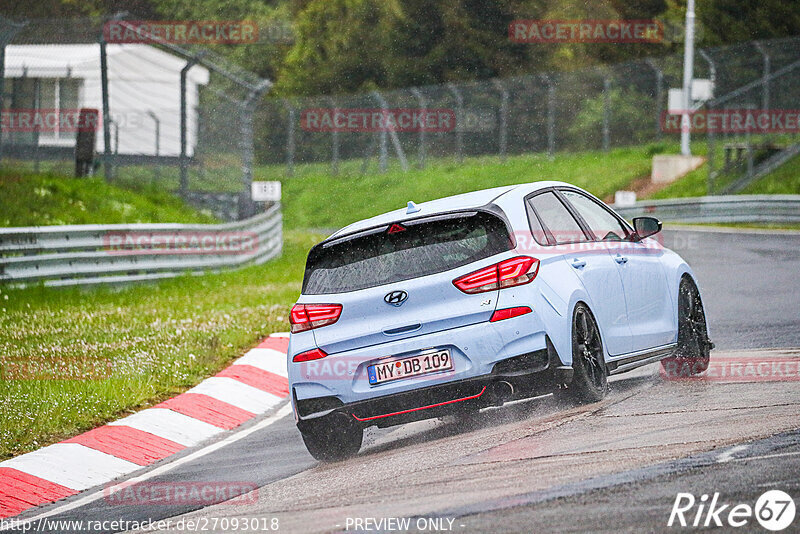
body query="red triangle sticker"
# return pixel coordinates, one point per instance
(395, 228)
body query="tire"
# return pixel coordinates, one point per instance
(332, 438)
(692, 355)
(589, 375)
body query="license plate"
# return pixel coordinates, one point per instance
(389, 370)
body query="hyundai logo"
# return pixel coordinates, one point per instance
(395, 298)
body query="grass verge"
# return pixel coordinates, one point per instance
(320, 200)
(158, 340)
(28, 199)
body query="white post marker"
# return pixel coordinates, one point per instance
(688, 75)
(265, 191)
(624, 199)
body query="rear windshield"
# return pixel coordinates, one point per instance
(401, 252)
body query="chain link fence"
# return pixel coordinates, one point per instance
(590, 109)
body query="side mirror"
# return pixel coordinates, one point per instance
(645, 227)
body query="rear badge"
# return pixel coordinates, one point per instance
(395, 298)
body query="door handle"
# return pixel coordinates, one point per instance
(619, 258)
(577, 263)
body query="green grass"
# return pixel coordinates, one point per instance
(693, 184)
(316, 199)
(158, 339)
(28, 199)
(783, 181)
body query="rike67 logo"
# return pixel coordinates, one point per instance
(774, 510)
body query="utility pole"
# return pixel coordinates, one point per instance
(688, 74)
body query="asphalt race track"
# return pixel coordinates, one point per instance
(532, 466)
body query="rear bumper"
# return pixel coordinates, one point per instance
(474, 349)
(521, 376)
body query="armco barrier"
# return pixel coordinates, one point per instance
(775, 209)
(121, 253)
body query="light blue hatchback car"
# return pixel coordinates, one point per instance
(469, 301)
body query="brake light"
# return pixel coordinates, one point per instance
(309, 355)
(508, 273)
(508, 313)
(309, 316)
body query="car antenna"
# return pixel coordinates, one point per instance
(412, 208)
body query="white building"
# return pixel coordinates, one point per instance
(143, 81)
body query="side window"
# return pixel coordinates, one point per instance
(602, 222)
(557, 219)
(536, 226)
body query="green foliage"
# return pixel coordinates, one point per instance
(344, 46)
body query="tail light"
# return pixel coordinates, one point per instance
(309, 316)
(309, 355)
(508, 313)
(508, 273)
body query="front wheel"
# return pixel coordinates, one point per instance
(692, 356)
(589, 378)
(332, 438)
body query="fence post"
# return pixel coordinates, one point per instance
(37, 104)
(422, 104)
(765, 75)
(389, 131)
(290, 146)
(184, 184)
(115, 168)
(383, 156)
(503, 139)
(106, 107)
(459, 119)
(248, 108)
(606, 112)
(659, 95)
(334, 141)
(551, 116)
(157, 122)
(7, 33)
(710, 160)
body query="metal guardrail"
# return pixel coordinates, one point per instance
(122, 253)
(776, 209)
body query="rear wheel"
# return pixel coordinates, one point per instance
(692, 355)
(332, 438)
(589, 377)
